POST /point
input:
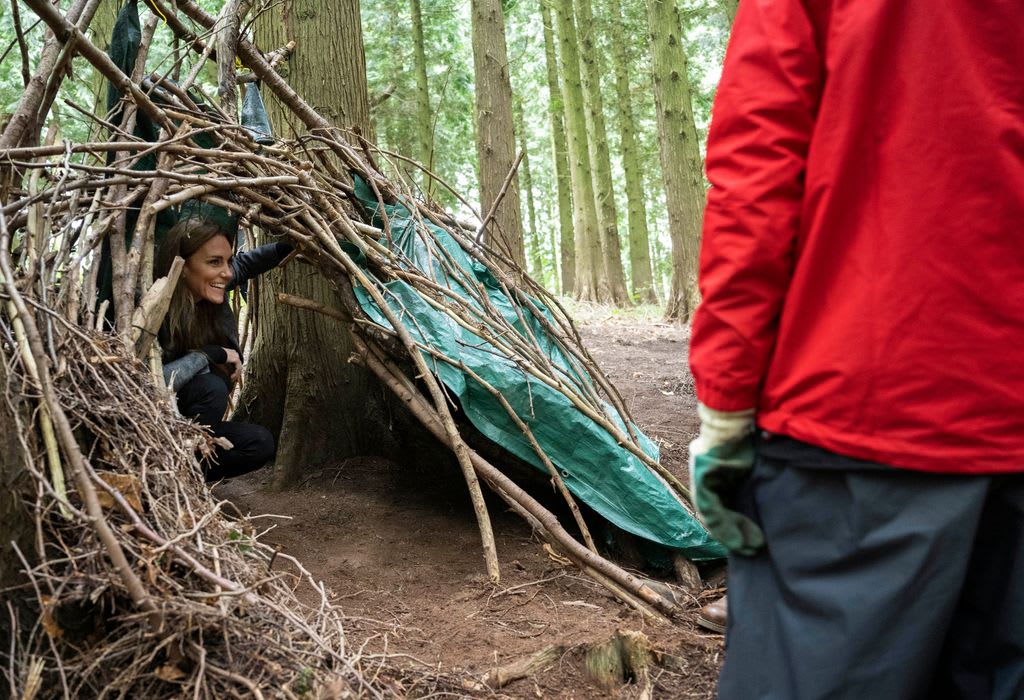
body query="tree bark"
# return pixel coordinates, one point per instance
(534, 244)
(681, 165)
(495, 135)
(299, 383)
(566, 250)
(639, 239)
(424, 118)
(600, 158)
(100, 29)
(589, 285)
(396, 132)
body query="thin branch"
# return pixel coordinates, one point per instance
(19, 36)
(480, 232)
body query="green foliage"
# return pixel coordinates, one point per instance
(387, 37)
(304, 681)
(12, 83)
(243, 541)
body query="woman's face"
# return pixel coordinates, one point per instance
(207, 271)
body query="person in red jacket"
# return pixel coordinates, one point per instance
(862, 280)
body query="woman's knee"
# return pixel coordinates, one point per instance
(204, 398)
(252, 447)
(264, 447)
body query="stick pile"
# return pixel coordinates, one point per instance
(144, 586)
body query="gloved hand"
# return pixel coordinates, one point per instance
(721, 458)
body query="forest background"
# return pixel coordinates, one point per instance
(599, 225)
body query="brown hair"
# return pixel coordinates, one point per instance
(189, 324)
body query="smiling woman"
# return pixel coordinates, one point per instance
(199, 338)
(207, 271)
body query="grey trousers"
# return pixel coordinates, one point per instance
(876, 583)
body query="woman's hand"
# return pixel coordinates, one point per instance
(233, 366)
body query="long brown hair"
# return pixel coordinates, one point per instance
(189, 324)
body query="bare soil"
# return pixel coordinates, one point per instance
(398, 548)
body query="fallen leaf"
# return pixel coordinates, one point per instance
(49, 621)
(127, 484)
(169, 672)
(564, 561)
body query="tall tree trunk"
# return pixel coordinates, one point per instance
(424, 118)
(566, 250)
(396, 132)
(100, 29)
(680, 155)
(299, 382)
(600, 158)
(534, 245)
(589, 284)
(557, 286)
(639, 243)
(495, 135)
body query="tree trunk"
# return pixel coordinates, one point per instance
(495, 135)
(563, 183)
(534, 246)
(299, 383)
(600, 158)
(639, 240)
(396, 131)
(680, 155)
(100, 29)
(589, 285)
(424, 118)
(658, 256)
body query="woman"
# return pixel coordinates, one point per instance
(199, 337)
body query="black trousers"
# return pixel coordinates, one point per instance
(205, 399)
(876, 583)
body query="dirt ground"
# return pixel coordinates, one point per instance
(399, 549)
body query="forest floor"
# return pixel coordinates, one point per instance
(400, 550)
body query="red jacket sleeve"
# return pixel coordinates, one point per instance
(761, 127)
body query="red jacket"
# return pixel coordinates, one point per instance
(862, 265)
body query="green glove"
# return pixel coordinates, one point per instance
(721, 459)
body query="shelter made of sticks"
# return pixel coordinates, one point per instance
(141, 584)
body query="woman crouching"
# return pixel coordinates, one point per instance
(199, 337)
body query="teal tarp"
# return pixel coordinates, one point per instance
(601, 473)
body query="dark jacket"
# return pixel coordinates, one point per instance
(181, 364)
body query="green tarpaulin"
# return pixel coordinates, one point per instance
(599, 471)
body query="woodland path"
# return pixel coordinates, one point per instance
(399, 547)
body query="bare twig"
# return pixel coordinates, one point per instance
(481, 232)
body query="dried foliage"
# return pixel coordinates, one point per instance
(223, 614)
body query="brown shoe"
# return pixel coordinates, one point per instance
(714, 615)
